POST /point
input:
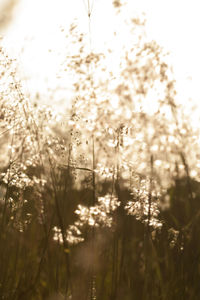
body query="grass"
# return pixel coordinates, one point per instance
(107, 206)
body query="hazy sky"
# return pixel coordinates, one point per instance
(173, 23)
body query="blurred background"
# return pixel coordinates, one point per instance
(32, 33)
(60, 175)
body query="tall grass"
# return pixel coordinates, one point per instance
(107, 205)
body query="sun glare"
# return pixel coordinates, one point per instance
(37, 30)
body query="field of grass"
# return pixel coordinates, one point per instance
(102, 201)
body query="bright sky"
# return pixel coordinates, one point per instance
(173, 23)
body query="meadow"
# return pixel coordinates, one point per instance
(100, 201)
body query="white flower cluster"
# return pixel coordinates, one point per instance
(145, 203)
(74, 234)
(16, 178)
(145, 211)
(99, 214)
(57, 235)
